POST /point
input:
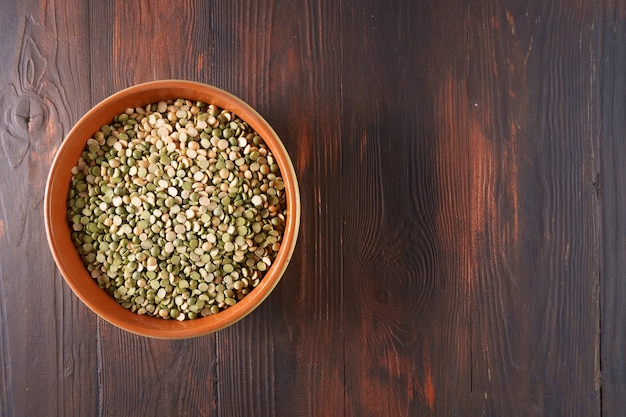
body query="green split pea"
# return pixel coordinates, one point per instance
(177, 209)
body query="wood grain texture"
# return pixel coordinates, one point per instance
(146, 377)
(535, 315)
(462, 176)
(135, 42)
(48, 353)
(406, 296)
(138, 376)
(286, 358)
(611, 112)
(250, 51)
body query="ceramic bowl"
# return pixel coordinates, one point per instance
(58, 227)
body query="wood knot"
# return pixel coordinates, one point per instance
(24, 114)
(27, 116)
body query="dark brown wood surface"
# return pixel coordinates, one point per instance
(462, 167)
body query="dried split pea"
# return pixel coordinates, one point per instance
(177, 209)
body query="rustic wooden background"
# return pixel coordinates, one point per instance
(463, 241)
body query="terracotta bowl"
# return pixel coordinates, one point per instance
(58, 227)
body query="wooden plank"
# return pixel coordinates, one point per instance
(137, 42)
(147, 377)
(406, 187)
(286, 359)
(534, 141)
(243, 51)
(610, 186)
(47, 337)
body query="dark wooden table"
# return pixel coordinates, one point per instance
(463, 242)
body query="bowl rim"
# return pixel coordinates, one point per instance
(58, 231)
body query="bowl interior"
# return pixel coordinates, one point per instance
(58, 228)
